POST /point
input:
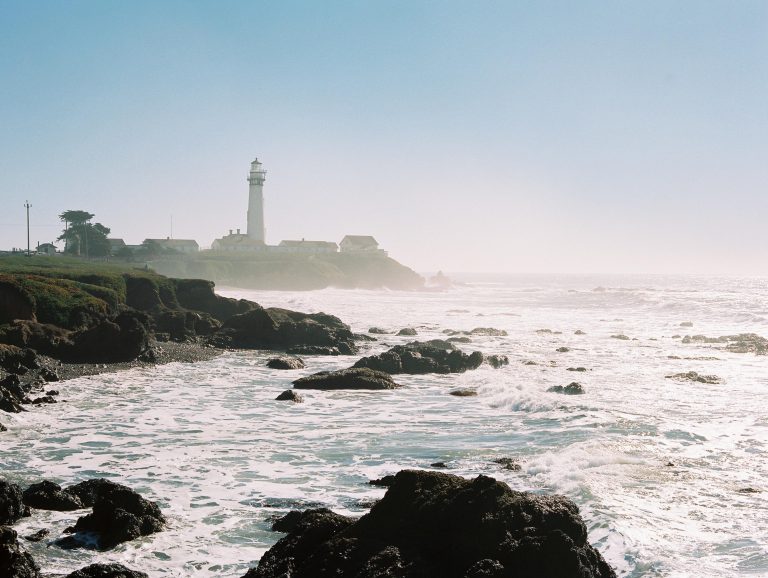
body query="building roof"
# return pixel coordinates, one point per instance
(359, 240)
(238, 239)
(174, 242)
(303, 243)
(46, 245)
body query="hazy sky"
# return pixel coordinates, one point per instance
(520, 136)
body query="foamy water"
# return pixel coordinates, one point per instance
(222, 458)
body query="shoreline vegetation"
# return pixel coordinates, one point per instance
(62, 318)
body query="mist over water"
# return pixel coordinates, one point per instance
(222, 458)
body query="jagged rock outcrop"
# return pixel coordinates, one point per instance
(693, 376)
(282, 329)
(12, 507)
(123, 338)
(47, 495)
(290, 395)
(12, 395)
(573, 388)
(285, 363)
(416, 357)
(435, 524)
(106, 571)
(119, 515)
(14, 561)
(354, 378)
(14, 359)
(198, 295)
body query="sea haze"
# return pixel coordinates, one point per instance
(657, 466)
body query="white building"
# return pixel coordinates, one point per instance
(360, 244)
(237, 242)
(304, 246)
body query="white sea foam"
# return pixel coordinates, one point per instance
(222, 457)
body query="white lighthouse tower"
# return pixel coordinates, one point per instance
(256, 179)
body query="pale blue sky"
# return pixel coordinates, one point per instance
(615, 136)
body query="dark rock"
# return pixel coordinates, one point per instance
(12, 507)
(285, 363)
(463, 392)
(459, 340)
(12, 395)
(436, 356)
(17, 360)
(748, 490)
(363, 337)
(292, 519)
(46, 495)
(409, 331)
(353, 378)
(3, 428)
(436, 524)
(693, 376)
(620, 336)
(43, 399)
(199, 295)
(106, 571)
(52, 392)
(576, 369)
(529, 362)
(280, 329)
(686, 324)
(38, 536)
(49, 375)
(562, 349)
(497, 361)
(438, 465)
(490, 331)
(508, 464)
(544, 331)
(313, 350)
(119, 515)
(14, 561)
(572, 388)
(378, 331)
(87, 491)
(290, 395)
(123, 338)
(384, 482)
(579, 332)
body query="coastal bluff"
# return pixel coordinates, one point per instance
(293, 272)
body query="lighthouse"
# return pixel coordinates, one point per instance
(256, 178)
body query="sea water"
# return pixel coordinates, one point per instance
(657, 466)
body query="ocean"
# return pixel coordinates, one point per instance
(669, 474)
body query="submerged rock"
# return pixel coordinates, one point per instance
(38, 536)
(436, 356)
(463, 392)
(579, 332)
(686, 324)
(408, 331)
(562, 349)
(290, 395)
(693, 376)
(573, 388)
(119, 515)
(285, 363)
(576, 369)
(497, 361)
(106, 571)
(436, 524)
(49, 496)
(620, 336)
(508, 464)
(14, 561)
(12, 507)
(353, 378)
(313, 350)
(378, 331)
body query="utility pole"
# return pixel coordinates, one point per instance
(28, 206)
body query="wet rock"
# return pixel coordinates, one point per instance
(47, 495)
(199, 295)
(436, 356)
(363, 337)
(489, 331)
(440, 465)
(87, 491)
(579, 332)
(38, 536)
(748, 490)
(384, 482)
(620, 336)
(290, 395)
(686, 324)
(459, 340)
(12, 395)
(508, 464)
(276, 328)
(49, 375)
(14, 561)
(408, 331)
(43, 400)
(693, 376)
(106, 571)
(313, 350)
(436, 524)
(562, 349)
(294, 518)
(463, 392)
(353, 378)
(529, 362)
(497, 361)
(573, 388)
(576, 369)
(12, 507)
(119, 515)
(544, 331)
(285, 363)
(378, 331)
(3, 428)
